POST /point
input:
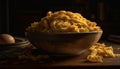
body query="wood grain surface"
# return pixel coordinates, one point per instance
(73, 61)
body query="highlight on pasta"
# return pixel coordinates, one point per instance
(63, 21)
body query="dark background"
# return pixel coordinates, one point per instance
(16, 15)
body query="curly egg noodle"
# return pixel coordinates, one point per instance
(63, 21)
(99, 51)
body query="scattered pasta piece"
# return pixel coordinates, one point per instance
(100, 50)
(95, 58)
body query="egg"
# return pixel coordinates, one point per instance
(6, 39)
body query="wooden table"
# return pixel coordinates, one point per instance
(71, 62)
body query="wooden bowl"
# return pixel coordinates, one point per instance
(64, 43)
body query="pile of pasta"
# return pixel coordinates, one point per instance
(99, 51)
(63, 21)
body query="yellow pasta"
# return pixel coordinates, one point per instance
(100, 50)
(63, 21)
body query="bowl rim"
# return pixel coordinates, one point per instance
(65, 32)
(18, 42)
